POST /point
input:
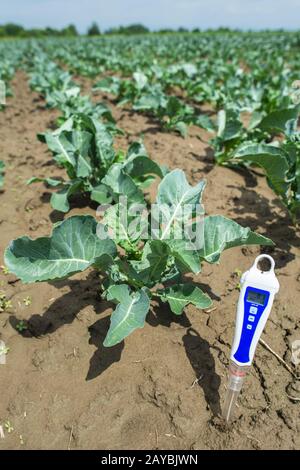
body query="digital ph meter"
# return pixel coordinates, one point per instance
(258, 289)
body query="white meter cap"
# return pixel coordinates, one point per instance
(258, 277)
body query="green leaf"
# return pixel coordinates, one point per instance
(182, 128)
(109, 85)
(61, 147)
(189, 69)
(153, 263)
(104, 147)
(272, 159)
(142, 165)
(205, 122)
(174, 106)
(174, 193)
(143, 182)
(73, 247)
(127, 223)
(136, 149)
(140, 79)
(70, 150)
(180, 295)
(129, 314)
(101, 145)
(221, 233)
(150, 101)
(81, 143)
(60, 200)
(101, 194)
(187, 258)
(255, 120)
(229, 125)
(122, 184)
(50, 181)
(277, 120)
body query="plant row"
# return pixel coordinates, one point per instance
(138, 262)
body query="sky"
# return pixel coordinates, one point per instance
(243, 14)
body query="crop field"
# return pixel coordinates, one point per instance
(114, 335)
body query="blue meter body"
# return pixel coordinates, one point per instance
(258, 289)
(255, 302)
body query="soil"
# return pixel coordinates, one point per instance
(163, 388)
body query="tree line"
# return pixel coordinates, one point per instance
(15, 30)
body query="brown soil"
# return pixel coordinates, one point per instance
(60, 388)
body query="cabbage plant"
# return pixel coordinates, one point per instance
(137, 264)
(280, 159)
(83, 146)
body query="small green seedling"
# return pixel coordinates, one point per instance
(27, 300)
(8, 426)
(238, 273)
(3, 350)
(4, 303)
(21, 326)
(5, 270)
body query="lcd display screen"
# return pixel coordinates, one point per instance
(256, 297)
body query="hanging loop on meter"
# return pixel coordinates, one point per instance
(258, 289)
(261, 257)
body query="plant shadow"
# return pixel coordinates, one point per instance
(65, 308)
(162, 315)
(207, 161)
(103, 357)
(198, 353)
(77, 201)
(83, 293)
(206, 288)
(202, 361)
(257, 212)
(249, 176)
